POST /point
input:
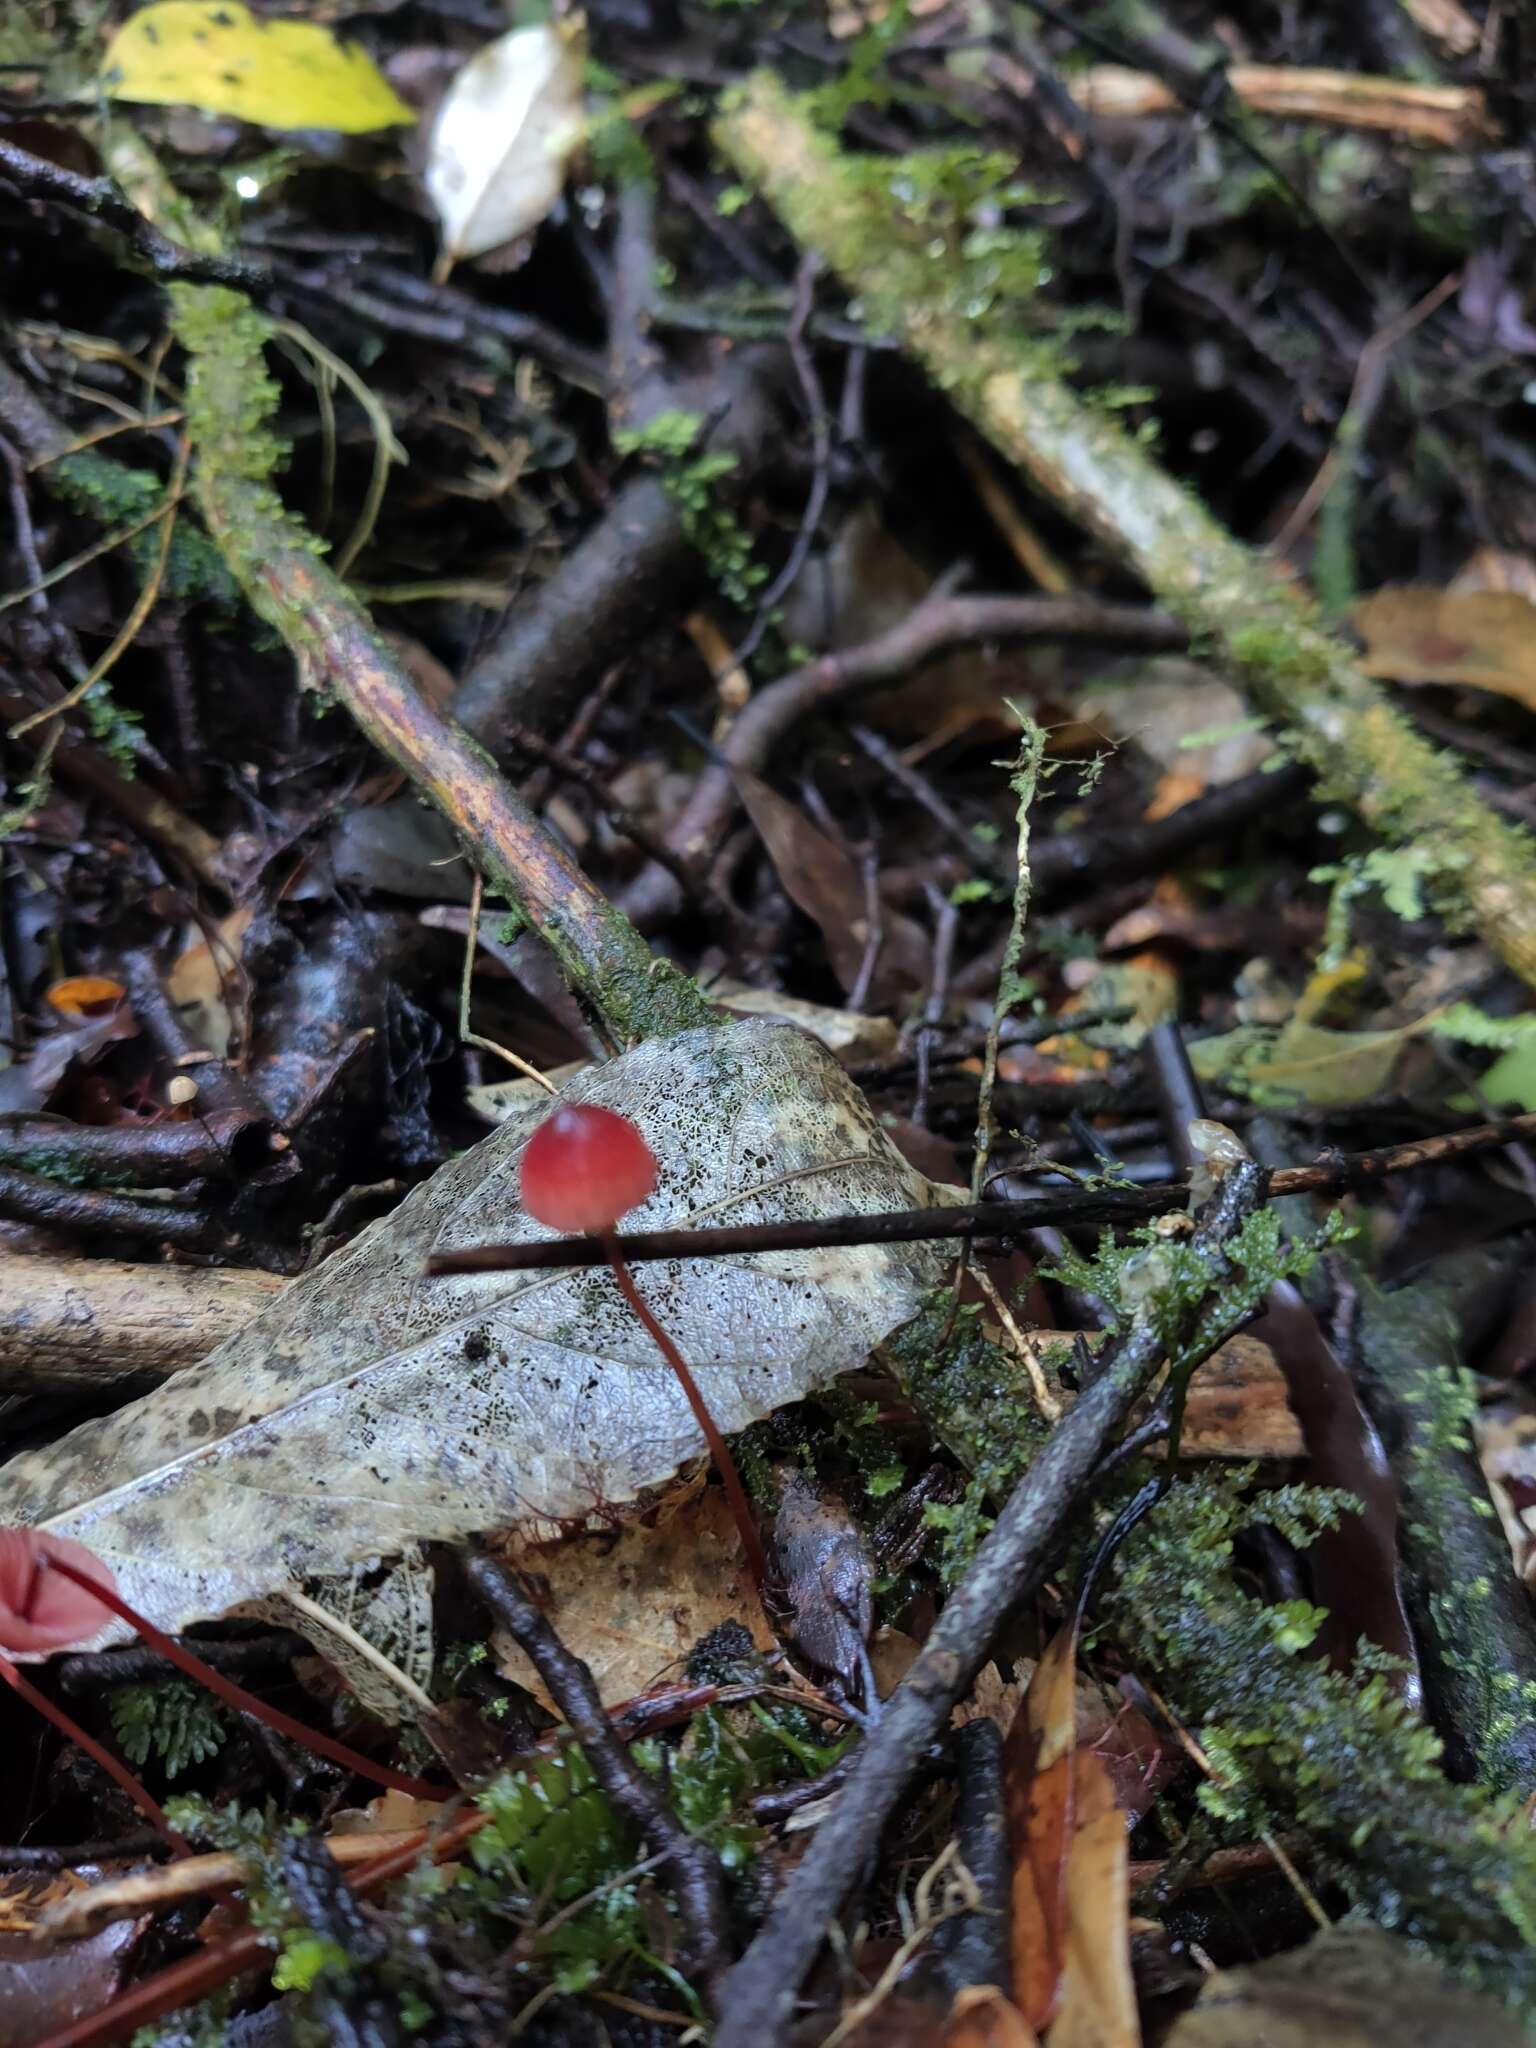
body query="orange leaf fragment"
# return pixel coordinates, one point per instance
(1070, 1923)
(85, 995)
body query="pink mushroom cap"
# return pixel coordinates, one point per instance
(41, 1610)
(584, 1167)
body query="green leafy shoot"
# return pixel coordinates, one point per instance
(171, 1719)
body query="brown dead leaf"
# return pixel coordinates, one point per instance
(632, 1609)
(1238, 1404)
(1070, 1907)
(1485, 638)
(823, 879)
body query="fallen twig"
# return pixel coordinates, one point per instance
(941, 620)
(694, 1867)
(762, 1989)
(1447, 116)
(82, 1323)
(1327, 1176)
(30, 1198)
(337, 651)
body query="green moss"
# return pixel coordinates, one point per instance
(1340, 1754)
(115, 495)
(231, 400)
(170, 1719)
(691, 476)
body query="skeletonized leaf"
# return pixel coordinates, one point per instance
(371, 1408)
(503, 135)
(217, 55)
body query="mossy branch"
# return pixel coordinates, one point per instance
(1343, 1755)
(230, 403)
(1483, 870)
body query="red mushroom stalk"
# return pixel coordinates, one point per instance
(55, 1558)
(584, 1168)
(40, 1611)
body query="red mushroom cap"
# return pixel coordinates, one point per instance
(42, 1610)
(584, 1167)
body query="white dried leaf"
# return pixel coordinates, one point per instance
(371, 1408)
(503, 136)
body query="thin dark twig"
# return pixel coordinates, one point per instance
(762, 1989)
(896, 1226)
(1006, 1220)
(27, 1856)
(31, 1198)
(21, 525)
(874, 926)
(36, 178)
(946, 924)
(821, 472)
(997, 860)
(618, 813)
(694, 1867)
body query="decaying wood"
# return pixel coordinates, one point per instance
(1447, 116)
(95, 1323)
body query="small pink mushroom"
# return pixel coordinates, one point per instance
(584, 1168)
(42, 1610)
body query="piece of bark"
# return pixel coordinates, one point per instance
(69, 1324)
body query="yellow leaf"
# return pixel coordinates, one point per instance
(217, 55)
(1483, 637)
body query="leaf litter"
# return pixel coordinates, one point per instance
(371, 1409)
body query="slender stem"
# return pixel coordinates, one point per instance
(72, 1731)
(236, 1696)
(725, 1464)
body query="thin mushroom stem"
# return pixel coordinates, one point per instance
(236, 1696)
(71, 1730)
(725, 1464)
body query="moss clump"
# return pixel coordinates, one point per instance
(691, 476)
(1342, 1754)
(171, 1719)
(231, 399)
(116, 495)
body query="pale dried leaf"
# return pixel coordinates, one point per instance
(502, 138)
(631, 1610)
(370, 1408)
(1486, 638)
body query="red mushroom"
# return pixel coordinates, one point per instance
(40, 1611)
(584, 1168)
